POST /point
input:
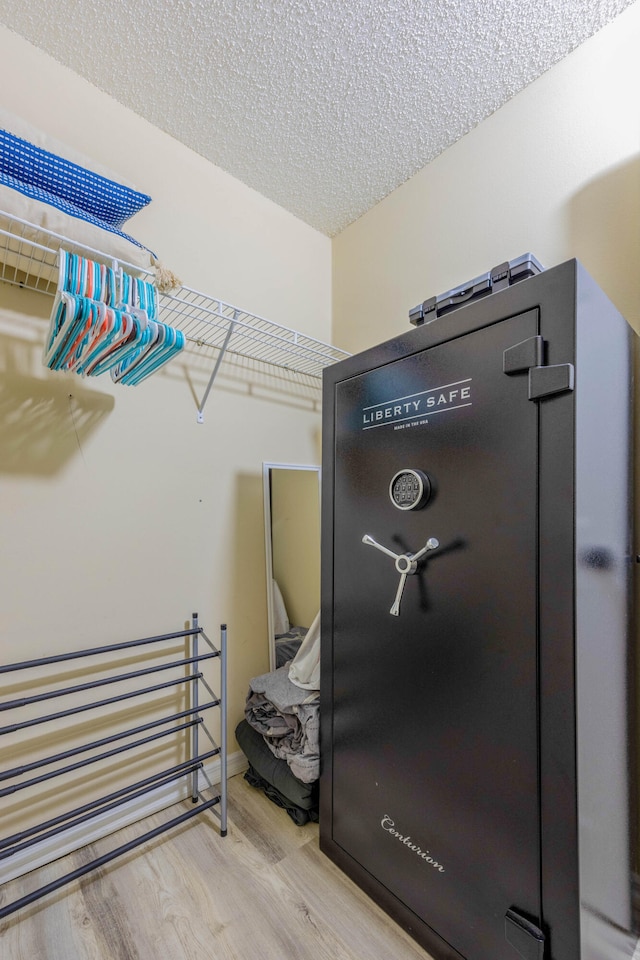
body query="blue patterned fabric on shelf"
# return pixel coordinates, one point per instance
(29, 169)
(37, 193)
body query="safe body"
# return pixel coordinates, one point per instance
(478, 721)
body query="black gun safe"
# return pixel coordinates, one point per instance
(478, 724)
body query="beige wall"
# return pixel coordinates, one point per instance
(555, 172)
(119, 513)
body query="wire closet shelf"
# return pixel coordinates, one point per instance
(29, 258)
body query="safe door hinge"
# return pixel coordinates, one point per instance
(523, 356)
(524, 936)
(544, 380)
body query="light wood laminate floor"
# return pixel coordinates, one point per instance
(265, 891)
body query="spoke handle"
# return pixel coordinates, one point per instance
(406, 564)
(395, 609)
(431, 544)
(374, 543)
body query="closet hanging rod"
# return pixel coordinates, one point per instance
(22, 232)
(28, 258)
(32, 243)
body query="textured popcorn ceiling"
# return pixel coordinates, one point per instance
(324, 106)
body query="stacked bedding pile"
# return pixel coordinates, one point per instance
(51, 186)
(280, 734)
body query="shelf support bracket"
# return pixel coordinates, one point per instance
(219, 359)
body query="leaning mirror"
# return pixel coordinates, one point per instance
(292, 541)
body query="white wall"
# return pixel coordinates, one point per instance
(555, 172)
(119, 514)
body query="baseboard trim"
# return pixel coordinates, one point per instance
(104, 824)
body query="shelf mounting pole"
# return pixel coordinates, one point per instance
(219, 359)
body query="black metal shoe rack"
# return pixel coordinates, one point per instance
(174, 727)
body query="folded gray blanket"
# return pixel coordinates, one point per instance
(288, 717)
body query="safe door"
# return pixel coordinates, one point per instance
(434, 684)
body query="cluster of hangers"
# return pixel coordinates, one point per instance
(106, 320)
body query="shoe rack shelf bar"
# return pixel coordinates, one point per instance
(178, 731)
